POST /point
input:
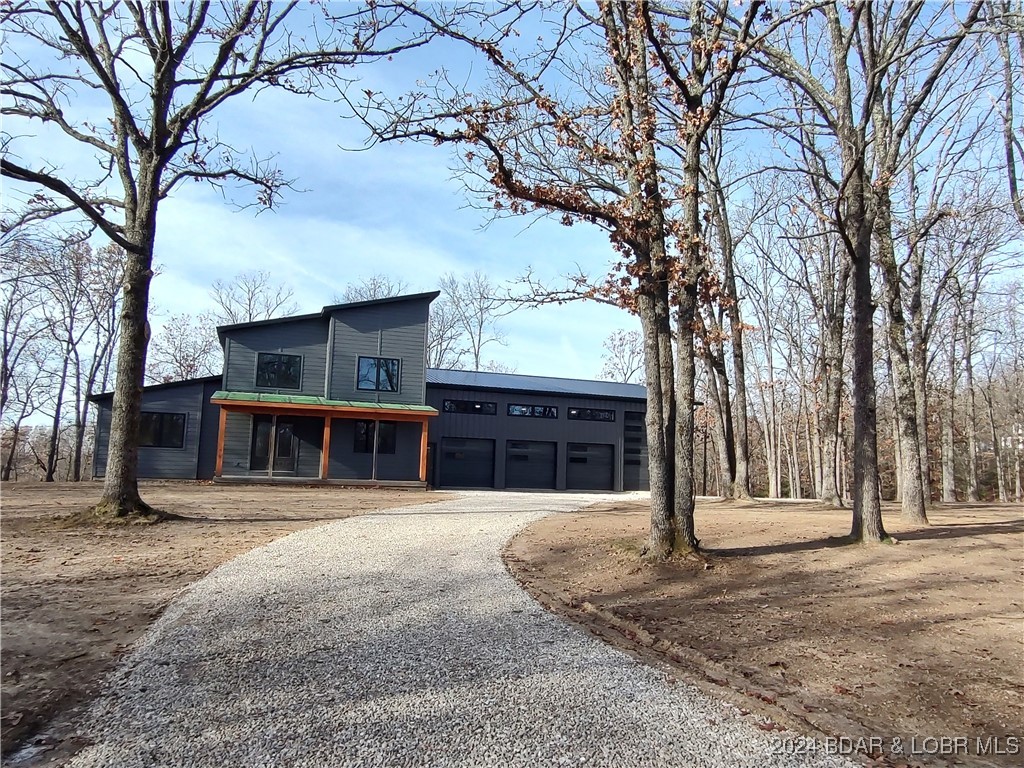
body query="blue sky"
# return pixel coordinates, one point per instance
(391, 209)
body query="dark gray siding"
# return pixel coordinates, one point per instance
(397, 329)
(502, 428)
(345, 464)
(237, 434)
(169, 463)
(103, 416)
(310, 433)
(207, 461)
(307, 338)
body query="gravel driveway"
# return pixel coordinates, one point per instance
(398, 639)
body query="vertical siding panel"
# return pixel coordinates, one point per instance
(307, 338)
(396, 329)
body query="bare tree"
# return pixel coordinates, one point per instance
(475, 305)
(377, 286)
(24, 373)
(623, 356)
(185, 348)
(164, 69)
(446, 345)
(648, 83)
(1009, 34)
(494, 366)
(251, 296)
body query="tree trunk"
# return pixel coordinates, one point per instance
(660, 427)
(972, 430)
(996, 453)
(5, 472)
(948, 459)
(832, 354)
(686, 537)
(867, 509)
(718, 406)
(121, 497)
(913, 504)
(919, 374)
(54, 448)
(740, 475)
(686, 374)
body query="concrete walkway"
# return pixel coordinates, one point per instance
(398, 639)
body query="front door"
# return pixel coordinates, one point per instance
(277, 436)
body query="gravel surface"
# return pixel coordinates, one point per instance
(399, 639)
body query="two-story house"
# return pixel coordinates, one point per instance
(344, 395)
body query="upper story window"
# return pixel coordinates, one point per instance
(161, 430)
(470, 406)
(538, 411)
(591, 414)
(276, 371)
(378, 374)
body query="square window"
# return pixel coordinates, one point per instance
(277, 371)
(161, 430)
(377, 374)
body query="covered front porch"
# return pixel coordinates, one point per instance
(297, 438)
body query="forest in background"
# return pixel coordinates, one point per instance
(925, 105)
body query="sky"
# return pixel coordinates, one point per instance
(393, 209)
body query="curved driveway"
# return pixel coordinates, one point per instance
(398, 639)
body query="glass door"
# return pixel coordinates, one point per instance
(271, 435)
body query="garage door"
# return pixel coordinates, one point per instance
(590, 467)
(529, 464)
(467, 463)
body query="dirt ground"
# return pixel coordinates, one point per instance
(920, 640)
(73, 600)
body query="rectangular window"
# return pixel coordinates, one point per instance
(536, 411)
(276, 371)
(364, 437)
(591, 414)
(470, 406)
(377, 374)
(161, 430)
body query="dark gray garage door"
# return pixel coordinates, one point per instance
(590, 467)
(529, 464)
(467, 463)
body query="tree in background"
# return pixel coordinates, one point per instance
(251, 296)
(376, 286)
(623, 357)
(185, 348)
(463, 319)
(474, 308)
(165, 69)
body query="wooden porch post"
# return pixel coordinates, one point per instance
(220, 442)
(423, 453)
(325, 450)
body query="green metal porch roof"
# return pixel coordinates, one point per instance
(266, 397)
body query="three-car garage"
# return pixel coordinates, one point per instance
(510, 431)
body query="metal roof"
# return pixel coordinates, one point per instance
(517, 382)
(266, 397)
(329, 310)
